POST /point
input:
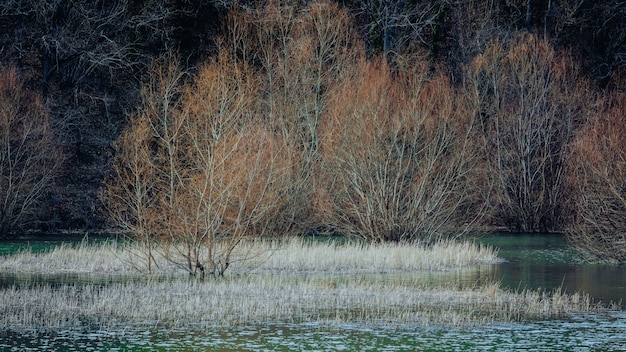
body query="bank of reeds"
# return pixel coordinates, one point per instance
(84, 258)
(295, 281)
(258, 299)
(293, 255)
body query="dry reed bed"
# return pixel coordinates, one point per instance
(294, 255)
(289, 282)
(251, 299)
(329, 257)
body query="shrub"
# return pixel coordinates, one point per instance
(196, 169)
(528, 99)
(29, 154)
(597, 179)
(397, 162)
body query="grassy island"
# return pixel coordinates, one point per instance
(292, 281)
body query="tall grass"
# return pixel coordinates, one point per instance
(253, 299)
(299, 256)
(293, 255)
(84, 258)
(292, 281)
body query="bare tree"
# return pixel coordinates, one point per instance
(29, 154)
(302, 52)
(397, 156)
(399, 27)
(208, 175)
(146, 161)
(597, 180)
(87, 59)
(528, 99)
(474, 24)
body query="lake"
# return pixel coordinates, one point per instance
(532, 261)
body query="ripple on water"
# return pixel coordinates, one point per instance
(601, 332)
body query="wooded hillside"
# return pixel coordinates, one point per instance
(509, 94)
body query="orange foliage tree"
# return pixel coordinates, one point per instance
(597, 179)
(397, 160)
(301, 53)
(197, 171)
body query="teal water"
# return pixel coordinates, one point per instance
(531, 262)
(588, 333)
(38, 244)
(545, 262)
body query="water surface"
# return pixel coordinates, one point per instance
(545, 262)
(532, 262)
(584, 333)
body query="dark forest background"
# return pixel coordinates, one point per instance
(83, 64)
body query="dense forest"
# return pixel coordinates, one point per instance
(388, 120)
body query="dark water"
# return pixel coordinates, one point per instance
(588, 333)
(42, 243)
(545, 261)
(532, 262)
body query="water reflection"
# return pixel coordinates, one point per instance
(545, 262)
(42, 243)
(26, 280)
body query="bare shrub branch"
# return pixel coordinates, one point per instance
(597, 179)
(397, 158)
(145, 165)
(29, 154)
(529, 100)
(202, 173)
(302, 52)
